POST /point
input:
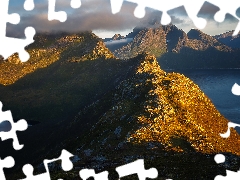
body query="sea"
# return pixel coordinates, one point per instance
(217, 85)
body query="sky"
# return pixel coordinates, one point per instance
(96, 15)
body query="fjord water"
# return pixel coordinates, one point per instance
(217, 85)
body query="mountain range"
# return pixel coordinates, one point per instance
(111, 108)
(176, 49)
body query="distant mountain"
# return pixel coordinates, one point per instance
(115, 37)
(229, 40)
(164, 118)
(177, 50)
(116, 42)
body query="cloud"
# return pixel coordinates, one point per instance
(93, 15)
(208, 11)
(177, 20)
(96, 15)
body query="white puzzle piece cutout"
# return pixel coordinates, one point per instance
(21, 125)
(13, 45)
(66, 164)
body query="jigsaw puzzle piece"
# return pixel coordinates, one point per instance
(230, 7)
(231, 175)
(192, 8)
(237, 30)
(87, 173)
(236, 89)
(29, 5)
(28, 171)
(52, 14)
(13, 45)
(66, 164)
(8, 162)
(137, 167)
(60, 15)
(65, 156)
(5, 17)
(153, 4)
(230, 125)
(219, 158)
(21, 125)
(116, 5)
(76, 4)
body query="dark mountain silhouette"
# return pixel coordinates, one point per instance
(229, 40)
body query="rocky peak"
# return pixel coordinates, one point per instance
(195, 34)
(197, 40)
(153, 109)
(117, 37)
(156, 40)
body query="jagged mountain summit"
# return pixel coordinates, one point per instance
(177, 50)
(115, 37)
(158, 39)
(151, 113)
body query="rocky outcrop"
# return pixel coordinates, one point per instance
(117, 37)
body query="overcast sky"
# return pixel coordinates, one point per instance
(96, 15)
